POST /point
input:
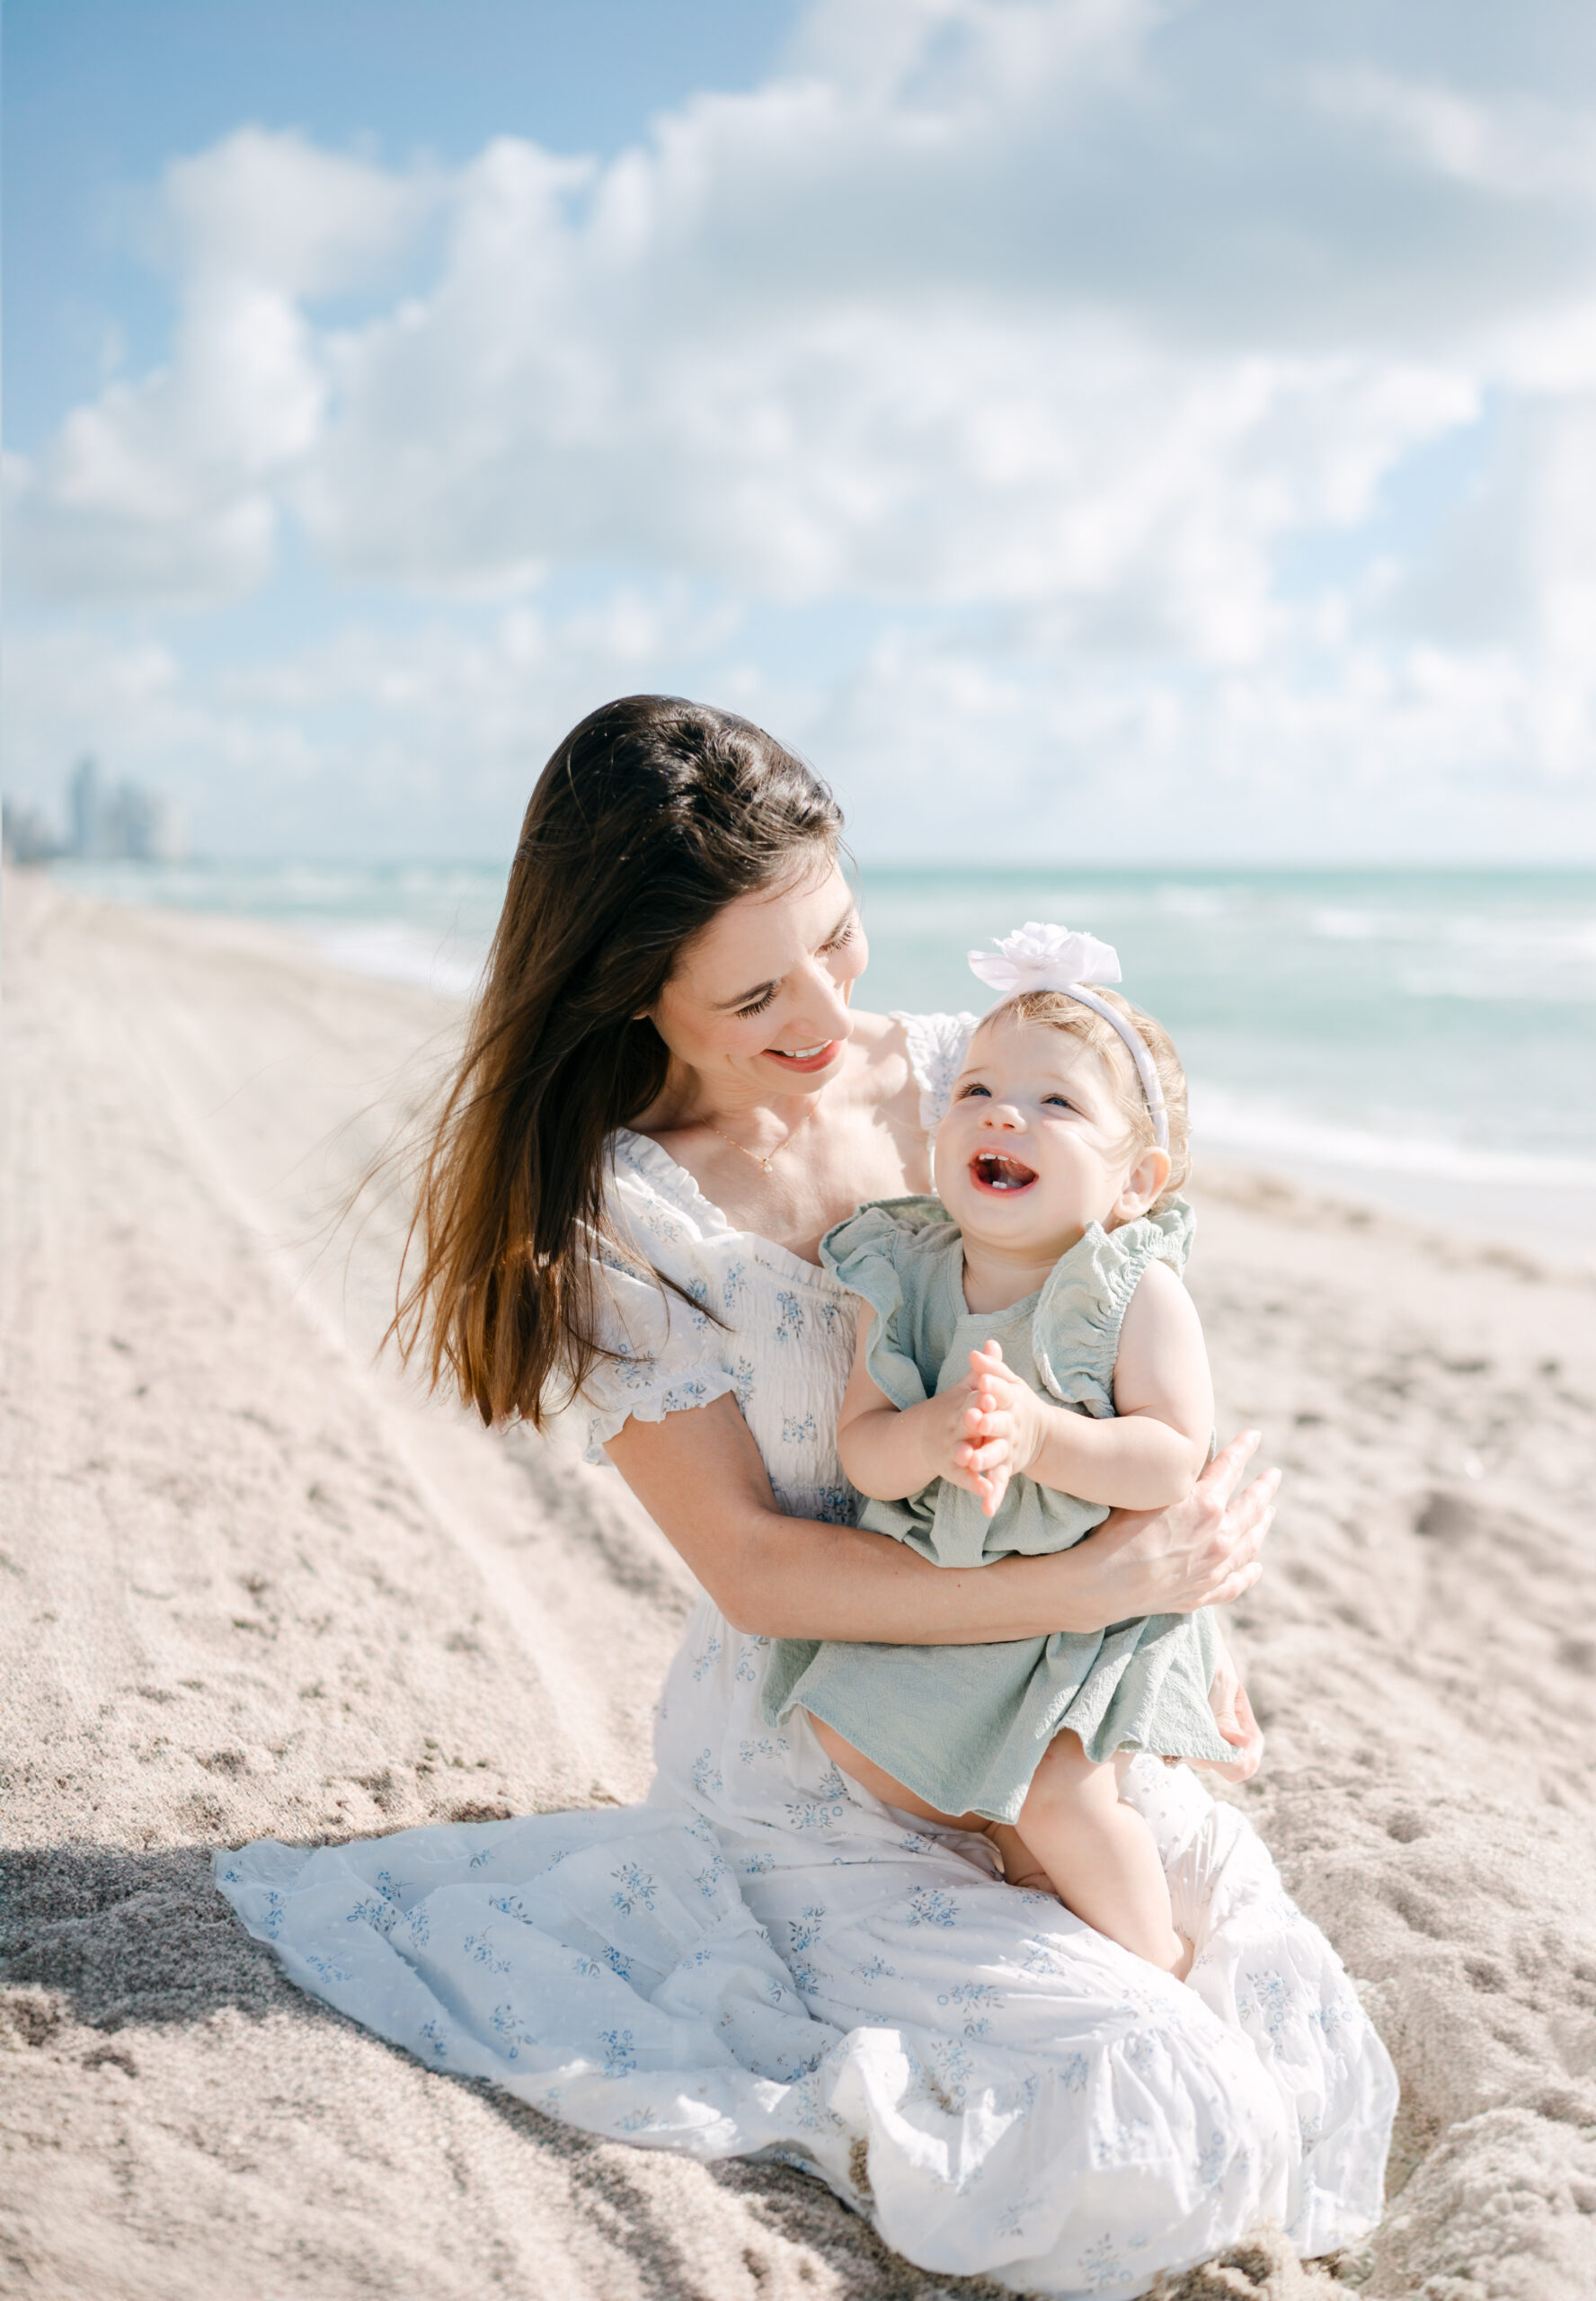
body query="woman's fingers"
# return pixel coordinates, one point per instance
(1221, 1479)
(1256, 1503)
(1242, 1730)
(1237, 1585)
(1237, 1523)
(1223, 1692)
(1247, 1522)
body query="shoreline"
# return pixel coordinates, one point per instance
(1533, 1201)
(257, 1587)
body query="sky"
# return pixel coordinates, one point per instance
(1092, 429)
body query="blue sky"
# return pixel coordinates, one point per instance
(98, 98)
(1086, 427)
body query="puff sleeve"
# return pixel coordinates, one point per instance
(669, 1355)
(868, 1254)
(1076, 1332)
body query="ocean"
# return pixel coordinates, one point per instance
(1423, 1040)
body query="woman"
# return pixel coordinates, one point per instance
(666, 1098)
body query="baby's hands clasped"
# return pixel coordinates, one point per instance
(1003, 1429)
(997, 1428)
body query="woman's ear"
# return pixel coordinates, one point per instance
(1142, 1184)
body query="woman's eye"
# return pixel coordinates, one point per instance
(758, 1007)
(843, 937)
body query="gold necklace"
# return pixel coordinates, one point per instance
(756, 1156)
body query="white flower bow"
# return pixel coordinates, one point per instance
(1035, 957)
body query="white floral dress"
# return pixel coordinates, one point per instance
(765, 1961)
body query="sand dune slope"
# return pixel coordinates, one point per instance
(249, 1585)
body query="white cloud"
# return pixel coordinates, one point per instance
(169, 489)
(1045, 331)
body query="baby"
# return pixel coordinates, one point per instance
(1028, 1359)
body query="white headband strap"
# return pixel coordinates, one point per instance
(1035, 957)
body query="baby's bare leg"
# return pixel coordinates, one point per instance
(1100, 1855)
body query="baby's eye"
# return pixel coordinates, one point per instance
(1059, 1102)
(966, 1092)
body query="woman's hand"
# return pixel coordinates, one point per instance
(1203, 1551)
(1233, 1714)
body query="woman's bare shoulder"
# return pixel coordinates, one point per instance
(882, 1037)
(882, 1065)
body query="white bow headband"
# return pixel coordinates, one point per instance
(1052, 958)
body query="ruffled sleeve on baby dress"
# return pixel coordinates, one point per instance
(667, 1354)
(867, 1253)
(1076, 1333)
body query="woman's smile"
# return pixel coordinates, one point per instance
(806, 1059)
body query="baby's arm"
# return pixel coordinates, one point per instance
(891, 1452)
(1150, 1452)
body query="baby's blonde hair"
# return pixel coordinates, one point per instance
(1061, 1013)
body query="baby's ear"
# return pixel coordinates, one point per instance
(1143, 1184)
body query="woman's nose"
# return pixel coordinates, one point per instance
(826, 1001)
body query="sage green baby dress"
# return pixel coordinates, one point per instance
(965, 1727)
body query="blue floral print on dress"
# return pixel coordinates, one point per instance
(635, 1889)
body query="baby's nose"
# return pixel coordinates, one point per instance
(1003, 1114)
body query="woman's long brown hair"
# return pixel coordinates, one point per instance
(651, 815)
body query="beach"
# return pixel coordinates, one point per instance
(255, 1583)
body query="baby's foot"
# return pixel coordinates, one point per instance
(1035, 1881)
(1021, 1867)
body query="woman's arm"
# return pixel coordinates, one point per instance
(699, 1476)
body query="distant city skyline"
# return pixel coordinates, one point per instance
(101, 821)
(1085, 432)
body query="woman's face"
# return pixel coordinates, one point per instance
(758, 1001)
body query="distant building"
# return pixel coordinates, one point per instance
(124, 824)
(86, 802)
(118, 824)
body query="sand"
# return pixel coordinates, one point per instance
(252, 1584)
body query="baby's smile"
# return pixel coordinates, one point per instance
(997, 1170)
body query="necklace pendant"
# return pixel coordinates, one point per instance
(766, 1164)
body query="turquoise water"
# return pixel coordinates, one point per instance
(1431, 1032)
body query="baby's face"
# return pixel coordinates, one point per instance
(1033, 1146)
